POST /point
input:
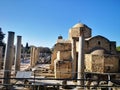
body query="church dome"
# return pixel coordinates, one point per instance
(60, 37)
(78, 25)
(76, 30)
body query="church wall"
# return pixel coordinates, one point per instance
(101, 63)
(113, 47)
(59, 47)
(98, 42)
(63, 69)
(111, 62)
(104, 61)
(75, 32)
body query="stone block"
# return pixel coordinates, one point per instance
(65, 55)
(63, 69)
(101, 63)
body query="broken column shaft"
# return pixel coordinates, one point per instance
(36, 54)
(8, 60)
(32, 56)
(80, 74)
(18, 54)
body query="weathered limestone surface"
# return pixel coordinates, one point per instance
(75, 31)
(60, 47)
(99, 42)
(111, 63)
(63, 65)
(34, 56)
(99, 52)
(65, 55)
(101, 63)
(8, 60)
(81, 65)
(74, 59)
(18, 54)
(63, 69)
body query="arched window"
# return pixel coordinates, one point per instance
(99, 42)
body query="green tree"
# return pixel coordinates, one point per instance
(2, 36)
(118, 48)
(27, 48)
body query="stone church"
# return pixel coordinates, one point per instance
(100, 53)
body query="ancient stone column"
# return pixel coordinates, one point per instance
(1, 58)
(8, 60)
(36, 54)
(56, 65)
(80, 74)
(74, 69)
(32, 57)
(58, 55)
(18, 54)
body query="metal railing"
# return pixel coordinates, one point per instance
(35, 84)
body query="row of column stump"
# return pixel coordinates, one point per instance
(13, 54)
(9, 57)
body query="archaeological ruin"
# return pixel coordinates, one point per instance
(82, 52)
(81, 57)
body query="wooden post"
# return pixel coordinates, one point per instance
(18, 54)
(8, 60)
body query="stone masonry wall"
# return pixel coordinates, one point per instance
(111, 63)
(59, 47)
(98, 41)
(63, 69)
(97, 63)
(75, 32)
(88, 61)
(101, 63)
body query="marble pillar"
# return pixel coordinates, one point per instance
(80, 74)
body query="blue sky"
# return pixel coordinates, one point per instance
(40, 22)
